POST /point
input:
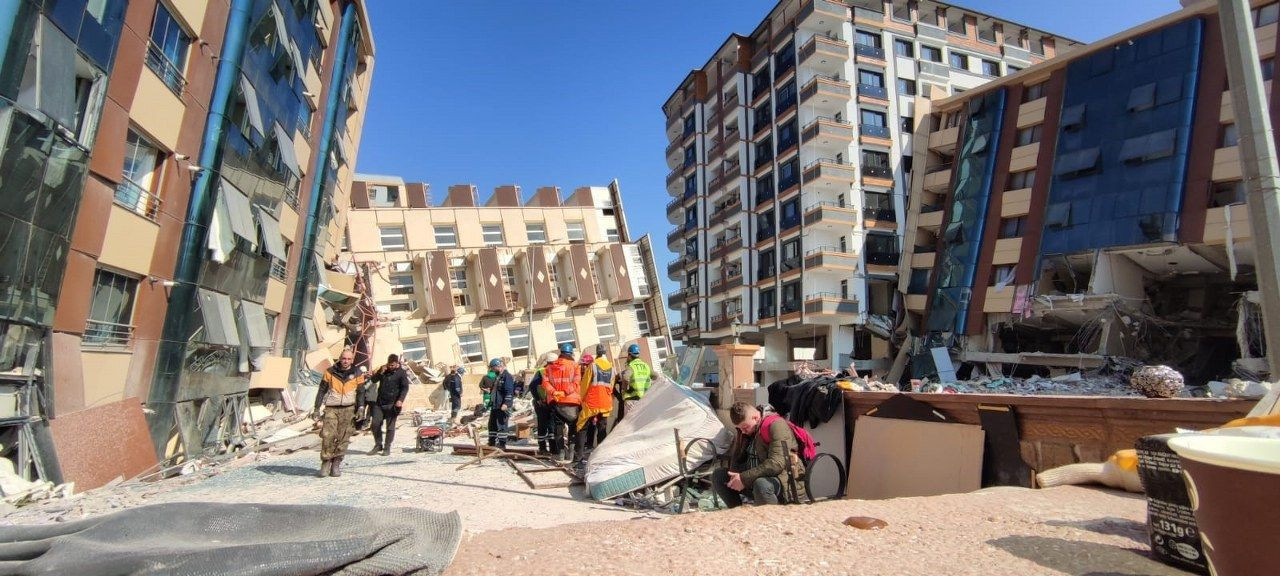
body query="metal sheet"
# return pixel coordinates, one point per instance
(219, 320)
(272, 243)
(287, 153)
(254, 320)
(251, 104)
(239, 213)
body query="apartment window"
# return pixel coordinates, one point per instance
(471, 347)
(1033, 92)
(919, 283)
(901, 11)
(987, 33)
(788, 176)
(595, 279)
(908, 126)
(413, 350)
(458, 285)
(1037, 46)
(492, 234)
(557, 280)
(446, 236)
(383, 196)
(519, 338)
(392, 237)
(904, 48)
(509, 287)
(642, 319)
(1012, 227)
(1002, 275)
(1266, 15)
(869, 78)
(537, 232)
(1012, 69)
(931, 53)
(110, 310)
(575, 231)
(401, 284)
(1228, 136)
(690, 186)
(690, 155)
(866, 38)
(611, 235)
(1020, 180)
(167, 51)
(141, 163)
(788, 135)
(760, 83)
(1268, 68)
(955, 23)
(959, 61)
(564, 333)
(606, 329)
(990, 68)
(791, 255)
(1226, 193)
(906, 87)
(1029, 135)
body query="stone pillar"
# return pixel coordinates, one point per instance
(737, 371)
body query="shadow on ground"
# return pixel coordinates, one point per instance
(1111, 526)
(276, 470)
(1083, 558)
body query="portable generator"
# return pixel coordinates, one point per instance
(430, 438)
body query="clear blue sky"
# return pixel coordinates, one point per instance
(569, 93)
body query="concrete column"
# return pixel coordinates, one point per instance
(737, 372)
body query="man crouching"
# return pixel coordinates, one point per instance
(757, 469)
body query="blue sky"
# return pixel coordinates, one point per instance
(569, 93)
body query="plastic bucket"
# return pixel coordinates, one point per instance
(1234, 486)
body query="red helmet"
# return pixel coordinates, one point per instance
(586, 359)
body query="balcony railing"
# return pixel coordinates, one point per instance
(790, 306)
(874, 130)
(881, 214)
(869, 51)
(829, 303)
(100, 333)
(828, 167)
(824, 6)
(722, 321)
(873, 91)
(725, 246)
(830, 256)
(828, 126)
(132, 197)
(280, 271)
(788, 223)
(763, 196)
(765, 234)
(766, 272)
(723, 212)
(169, 73)
(719, 285)
(882, 258)
(827, 45)
(767, 312)
(832, 84)
(831, 211)
(877, 171)
(291, 194)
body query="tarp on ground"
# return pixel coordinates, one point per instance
(641, 449)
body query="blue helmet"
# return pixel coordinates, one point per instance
(566, 348)
(633, 349)
(495, 362)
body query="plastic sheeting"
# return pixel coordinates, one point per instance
(641, 449)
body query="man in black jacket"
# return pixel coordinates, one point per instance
(504, 395)
(393, 386)
(453, 385)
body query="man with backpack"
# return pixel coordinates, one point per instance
(766, 459)
(563, 381)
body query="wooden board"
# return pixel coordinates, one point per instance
(896, 458)
(542, 476)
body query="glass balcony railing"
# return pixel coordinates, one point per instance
(869, 50)
(878, 131)
(873, 90)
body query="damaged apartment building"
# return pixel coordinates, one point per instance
(1089, 211)
(460, 282)
(172, 175)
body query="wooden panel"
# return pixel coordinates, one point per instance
(492, 295)
(1226, 164)
(441, 293)
(620, 272)
(541, 278)
(1031, 113)
(1015, 203)
(580, 269)
(998, 300)
(1215, 226)
(1007, 251)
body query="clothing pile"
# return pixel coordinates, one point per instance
(808, 402)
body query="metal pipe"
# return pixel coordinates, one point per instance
(191, 247)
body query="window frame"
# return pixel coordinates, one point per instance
(572, 226)
(486, 230)
(514, 333)
(471, 357)
(612, 323)
(556, 327)
(117, 331)
(410, 354)
(452, 231)
(540, 227)
(382, 238)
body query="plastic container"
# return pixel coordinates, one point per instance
(1234, 487)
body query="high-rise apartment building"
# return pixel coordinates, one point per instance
(463, 281)
(172, 172)
(1090, 207)
(791, 154)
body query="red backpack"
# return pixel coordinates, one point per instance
(807, 449)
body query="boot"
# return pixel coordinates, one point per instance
(375, 451)
(326, 466)
(336, 470)
(386, 451)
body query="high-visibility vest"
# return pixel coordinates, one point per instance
(600, 387)
(640, 379)
(562, 377)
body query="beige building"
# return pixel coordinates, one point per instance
(464, 281)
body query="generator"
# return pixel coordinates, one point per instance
(431, 438)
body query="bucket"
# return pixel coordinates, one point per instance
(1234, 486)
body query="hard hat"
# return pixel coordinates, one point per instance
(495, 362)
(550, 357)
(586, 359)
(633, 349)
(566, 348)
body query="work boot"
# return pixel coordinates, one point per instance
(386, 451)
(375, 451)
(326, 466)
(336, 470)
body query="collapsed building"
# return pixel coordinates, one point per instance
(1088, 212)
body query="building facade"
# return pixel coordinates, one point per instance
(463, 282)
(1091, 207)
(212, 146)
(791, 154)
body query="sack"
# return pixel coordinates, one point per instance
(807, 450)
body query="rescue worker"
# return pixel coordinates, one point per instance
(757, 469)
(597, 402)
(563, 380)
(542, 411)
(503, 400)
(453, 385)
(340, 388)
(634, 380)
(392, 387)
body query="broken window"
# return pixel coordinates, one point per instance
(1226, 193)
(1058, 215)
(471, 347)
(1002, 276)
(1073, 117)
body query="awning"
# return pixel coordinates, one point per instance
(287, 153)
(57, 60)
(282, 36)
(272, 243)
(251, 103)
(239, 213)
(219, 320)
(340, 146)
(254, 319)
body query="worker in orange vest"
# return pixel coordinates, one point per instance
(597, 401)
(563, 379)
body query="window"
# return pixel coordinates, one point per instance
(929, 16)
(1002, 275)
(471, 348)
(919, 283)
(1149, 147)
(446, 237)
(575, 231)
(492, 234)
(1012, 69)
(990, 68)
(764, 152)
(1037, 46)
(1142, 98)
(509, 287)
(401, 284)
(110, 310)
(642, 319)
(901, 11)
(1225, 193)
(1268, 68)
(1029, 135)
(904, 48)
(537, 232)
(1228, 136)
(458, 285)
(959, 61)
(987, 33)
(397, 306)
(1020, 180)
(1266, 14)
(392, 237)
(930, 53)
(564, 333)
(557, 280)
(908, 126)
(1033, 92)
(519, 338)
(605, 329)
(788, 176)
(955, 23)
(1013, 227)
(866, 38)
(869, 78)
(611, 235)
(414, 350)
(906, 87)
(873, 118)
(141, 162)
(167, 51)
(788, 135)
(381, 196)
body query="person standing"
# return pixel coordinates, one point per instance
(634, 380)
(453, 385)
(341, 386)
(542, 411)
(393, 386)
(564, 381)
(597, 401)
(503, 400)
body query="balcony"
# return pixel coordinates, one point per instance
(717, 148)
(825, 54)
(721, 213)
(767, 312)
(882, 257)
(878, 173)
(816, 14)
(874, 131)
(830, 170)
(679, 331)
(675, 239)
(724, 247)
(675, 210)
(831, 257)
(876, 91)
(866, 52)
(132, 197)
(678, 265)
(827, 90)
(765, 234)
(826, 130)
(880, 213)
(721, 321)
(944, 140)
(724, 283)
(929, 219)
(831, 306)
(728, 173)
(674, 177)
(677, 298)
(938, 179)
(1022, 56)
(935, 72)
(766, 272)
(831, 216)
(790, 306)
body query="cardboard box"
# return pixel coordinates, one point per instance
(896, 458)
(1171, 523)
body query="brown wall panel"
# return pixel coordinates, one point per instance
(622, 272)
(108, 148)
(130, 52)
(461, 195)
(440, 291)
(1008, 137)
(1055, 89)
(141, 369)
(580, 268)
(540, 278)
(359, 195)
(505, 196)
(417, 192)
(96, 445)
(91, 220)
(68, 374)
(76, 292)
(492, 295)
(1204, 133)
